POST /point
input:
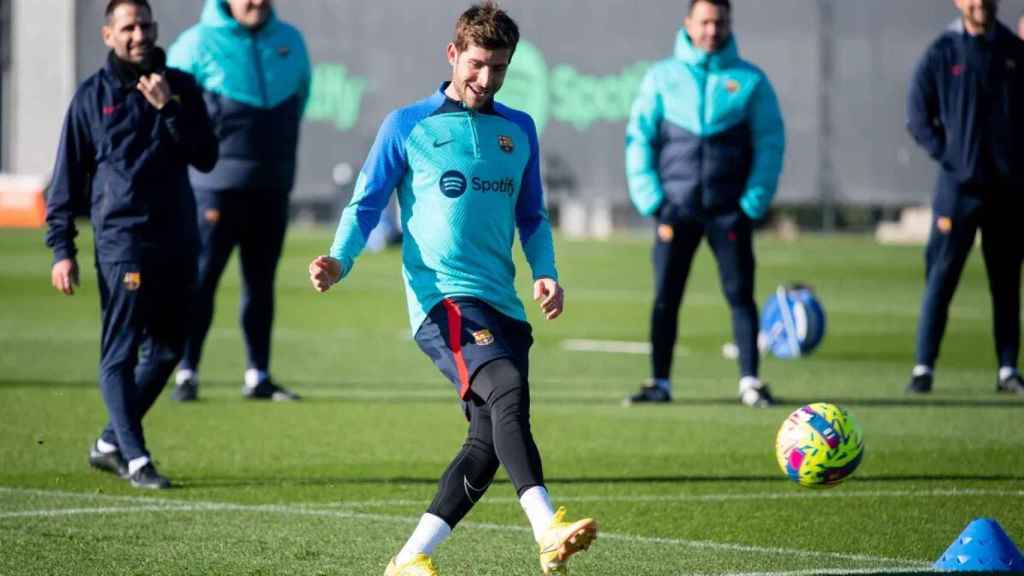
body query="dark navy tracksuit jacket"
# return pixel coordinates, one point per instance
(966, 110)
(125, 164)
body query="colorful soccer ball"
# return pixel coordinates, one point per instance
(819, 445)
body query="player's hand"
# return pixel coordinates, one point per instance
(551, 297)
(324, 272)
(156, 90)
(64, 276)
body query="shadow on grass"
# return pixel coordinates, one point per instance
(430, 392)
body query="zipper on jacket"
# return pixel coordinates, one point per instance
(706, 68)
(261, 81)
(471, 117)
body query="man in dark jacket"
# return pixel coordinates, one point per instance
(704, 150)
(130, 133)
(966, 109)
(255, 75)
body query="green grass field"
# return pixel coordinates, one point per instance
(334, 484)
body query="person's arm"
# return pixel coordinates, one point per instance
(185, 118)
(383, 170)
(306, 81)
(641, 155)
(768, 135)
(68, 196)
(535, 231)
(924, 121)
(188, 119)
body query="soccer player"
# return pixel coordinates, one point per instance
(966, 109)
(467, 173)
(255, 98)
(131, 132)
(704, 149)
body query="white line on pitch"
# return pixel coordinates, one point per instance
(78, 511)
(198, 506)
(713, 497)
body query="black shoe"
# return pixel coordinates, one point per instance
(267, 390)
(757, 397)
(111, 462)
(921, 384)
(187, 391)
(650, 394)
(148, 477)
(1013, 385)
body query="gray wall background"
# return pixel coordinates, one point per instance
(840, 68)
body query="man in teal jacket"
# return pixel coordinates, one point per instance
(704, 149)
(255, 75)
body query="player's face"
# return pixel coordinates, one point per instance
(708, 26)
(131, 33)
(250, 13)
(978, 13)
(1020, 27)
(477, 73)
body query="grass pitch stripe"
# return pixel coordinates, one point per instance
(169, 505)
(613, 347)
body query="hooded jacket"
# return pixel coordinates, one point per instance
(705, 136)
(256, 84)
(123, 162)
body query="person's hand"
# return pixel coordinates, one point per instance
(156, 90)
(64, 276)
(324, 272)
(551, 297)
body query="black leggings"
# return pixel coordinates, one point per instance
(499, 433)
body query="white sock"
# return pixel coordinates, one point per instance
(662, 383)
(105, 447)
(183, 376)
(921, 370)
(749, 382)
(254, 377)
(430, 532)
(136, 464)
(1006, 371)
(537, 505)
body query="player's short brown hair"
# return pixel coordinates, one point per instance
(487, 26)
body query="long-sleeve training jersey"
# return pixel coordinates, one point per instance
(466, 180)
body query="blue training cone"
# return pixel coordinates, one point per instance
(982, 547)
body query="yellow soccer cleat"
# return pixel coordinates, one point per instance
(420, 565)
(562, 539)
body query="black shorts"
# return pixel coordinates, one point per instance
(462, 334)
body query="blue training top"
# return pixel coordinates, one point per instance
(464, 178)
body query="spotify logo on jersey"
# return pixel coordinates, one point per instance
(452, 183)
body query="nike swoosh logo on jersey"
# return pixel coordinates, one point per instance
(439, 143)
